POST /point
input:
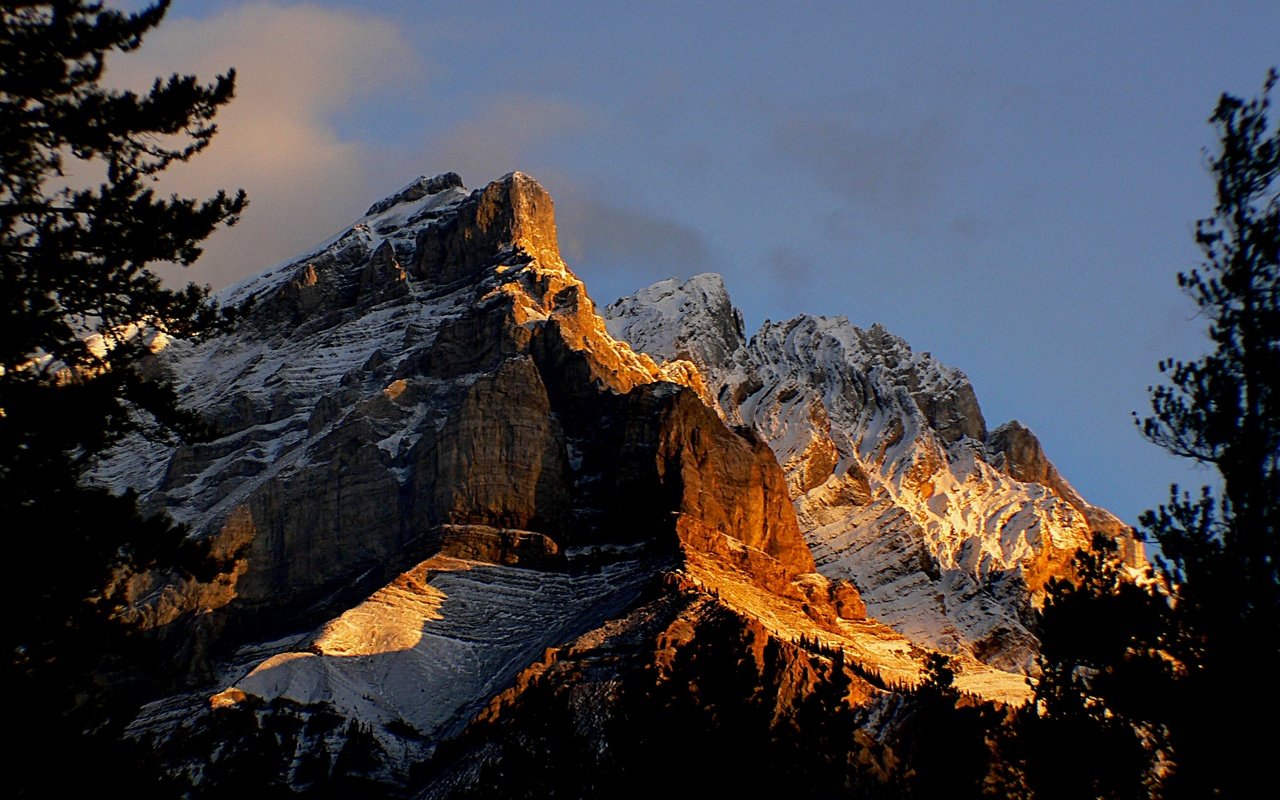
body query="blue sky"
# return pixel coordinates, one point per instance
(1010, 186)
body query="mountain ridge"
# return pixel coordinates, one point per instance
(434, 461)
(896, 479)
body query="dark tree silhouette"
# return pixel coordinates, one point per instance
(1220, 547)
(1147, 691)
(1093, 727)
(80, 226)
(945, 740)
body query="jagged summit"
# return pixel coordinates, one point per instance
(419, 228)
(417, 190)
(709, 330)
(948, 529)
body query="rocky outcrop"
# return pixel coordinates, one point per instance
(727, 481)
(511, 213)
(501, 546)
(372, 415)
(948, 531)
(1012, 447)
(416, 191)
(711, 330)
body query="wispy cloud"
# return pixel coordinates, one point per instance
(502, 134)
(893, 169)
(299, 68)
(624, 247)
(789, 266)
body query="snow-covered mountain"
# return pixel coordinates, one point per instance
(948, 529)
(447, 492)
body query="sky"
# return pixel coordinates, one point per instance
(1011, 186)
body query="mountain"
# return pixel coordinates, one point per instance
(453, 505)
(948, 529)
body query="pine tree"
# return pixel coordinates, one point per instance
(1093, 727)
(1221, 551)
(1146, 689)
(81, 226)
(944, 741)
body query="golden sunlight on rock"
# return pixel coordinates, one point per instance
(227, 698)
(392, 619)
(817, 497)
(394, 389)
(443, 633)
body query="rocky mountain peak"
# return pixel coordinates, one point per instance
(417, 190)
(511, 214)
(434, 231)
(435, 379)
(439, 473)
(950, 532)
(693, 320)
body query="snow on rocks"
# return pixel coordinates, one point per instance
(431, 647)
(889, 463)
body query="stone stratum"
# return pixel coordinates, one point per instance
(473, 527)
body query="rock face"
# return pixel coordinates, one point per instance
(513, 213)
(948, 530)
(436, 466)
(461, 432)
(365, 408)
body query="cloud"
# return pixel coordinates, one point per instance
(605, 236)
(893, 169)
(503, 134)
(302, 72)
(793, 276)
(789, 266)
